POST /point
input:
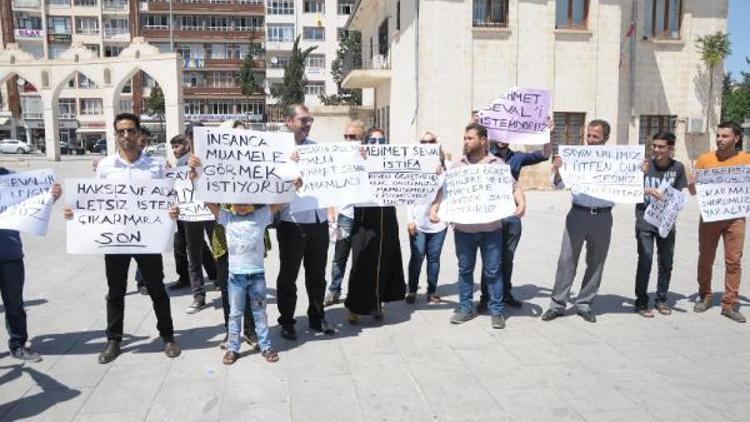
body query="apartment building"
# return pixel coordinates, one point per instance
(631, 62)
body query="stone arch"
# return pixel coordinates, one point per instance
(71, 73)
(21, 72)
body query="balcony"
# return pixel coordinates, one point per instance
(115, 6)
(27, 4)
(58, 3)
(194, 63)
(200, 33)
(369, 74)
(87, 31)
(232, 64)
(116, 34)
(208, 91)
(86, 3)
(244, 7)
(29, 34)
(32, 115)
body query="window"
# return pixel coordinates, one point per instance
(280, 32)
(66, 108)
(94, 48)
(84, 82)
(87, 25)
(280, 7)
(650, 125)
(398, 16)
(372, 51)
(345, 7)
(125, 106)
(281, 62)
(84, 2)
(341, 34)
(58, 24)
(191, 23)
(315, 88)
(192, 107)
(218, 23)
(219, 107)
(249, 107)
(24, 21)
(569, 128)
(112, 50)
(157, 22)
(383, 38)
(246, 23)
(315, 6)
(313, 33)
(222, 80)
(316, 61)
(663, 18)
(490, 13)
(571, 14)
(91, 106)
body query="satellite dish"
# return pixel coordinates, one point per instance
(274, 60)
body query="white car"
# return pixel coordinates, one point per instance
(14, 146)
(158, 149)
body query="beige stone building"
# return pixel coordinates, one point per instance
(631, 62)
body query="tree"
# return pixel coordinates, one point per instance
(155, 105)
(735, 103)
(348, 57)
(292, 90)
(714, 48)
(247, 78)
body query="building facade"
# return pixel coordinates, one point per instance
(631, 62)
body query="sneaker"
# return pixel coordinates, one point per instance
(196, 307)
(143, 290)
(411, 298)
(703, 304)
(663, 308)
(734, 315)
(461, 317)
(644, 311)
(230, 357)
(331, 299)
(25, 354)
(252, 341)
(498, 322)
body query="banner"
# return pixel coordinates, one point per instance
(610, 172)
(25, 202)
(403, 174)
(663, 213)
(332, 175)
(244, 166)
(191, 209)
(478, 193)
(723, 192)
(518, 117)
(116, 217)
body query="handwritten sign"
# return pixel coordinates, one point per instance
(25, 203)
(663, 213)
(610, 172)
(332, 175)
(111, 217)
(191, 209)
(476, 194)
(518, 117)
(244, 166)
(403, 174)
(723, 192)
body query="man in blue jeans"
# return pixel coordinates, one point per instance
(487, 237)
(12, 274)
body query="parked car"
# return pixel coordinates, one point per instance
(100, 147)
(67, 148)
(158, 149)
(14, 146)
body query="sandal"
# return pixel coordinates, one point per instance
(230, 357)
(645, 312)
(270, 355)
(433, 299)
(663, 308)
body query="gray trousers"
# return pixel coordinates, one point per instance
(596, 230)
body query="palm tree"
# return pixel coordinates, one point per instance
(714, 48)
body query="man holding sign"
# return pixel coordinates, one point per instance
(12, 274)
(731, 229)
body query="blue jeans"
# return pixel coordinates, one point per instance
(11, 287)
(431, 245)
(665, 247)
(341, 253)
(490, 246)
(243, 287)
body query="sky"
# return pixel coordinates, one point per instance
(739, 34)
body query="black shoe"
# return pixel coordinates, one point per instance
(25, 354)
(288, 332)
(177, 285)
(411, 298)
(324, 327)
(110, 353)
(171, 349)
(551, 314)
(587, 316)
(512, 302)
(482, 306)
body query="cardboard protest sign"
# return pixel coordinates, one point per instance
(244, 166)
(403, 174)
(478, 193)
(610, 172)
(332, 175)
(191, 209)
(723, 192)
(120, 217)
(663, 213)
(25, 202)
(518, 117)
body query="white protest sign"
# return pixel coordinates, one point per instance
(120, 217)
(723, 192)
(191, 209)
(663, 213)
(478, 193)
(332, 175)
(244, 166)
(25, 203)
(403, 174)
(610, 172)
(518, 117)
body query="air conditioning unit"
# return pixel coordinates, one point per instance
(695, 125)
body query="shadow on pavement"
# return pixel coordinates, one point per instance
(52, 392)
(28, 303)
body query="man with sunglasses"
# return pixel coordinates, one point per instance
(376, 139)
(129, 162)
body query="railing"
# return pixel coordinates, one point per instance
(85, 3)
(115, 5)
(27, 4)
(32, 116)
(58, 3)
(194, 63)
(87, 31)
(66, 116)
(116, 33)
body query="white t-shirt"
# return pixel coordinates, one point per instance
(420, 214)
(145, 167)
(245, 239)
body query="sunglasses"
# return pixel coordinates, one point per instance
(350, 137)
(126, 131)
(428, 141)
(372, 140)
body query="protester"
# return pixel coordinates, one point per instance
(589, 220)
(486, 237)
(660, 171)
(131, 163)
(144, 140)
(425, 239)
(302, 236)
(377, 273)
(728, 135)
(12, 278)
(342, 226)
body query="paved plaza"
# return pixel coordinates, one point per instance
(413, 366)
